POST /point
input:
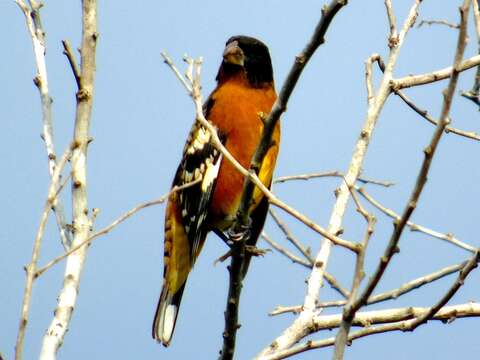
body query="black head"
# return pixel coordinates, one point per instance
(244, 53)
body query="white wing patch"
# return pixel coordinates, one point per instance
(211, 173)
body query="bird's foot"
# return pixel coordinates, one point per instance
(254, 251)
(239, 233)
(223, 257)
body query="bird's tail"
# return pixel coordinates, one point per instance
(166, 315)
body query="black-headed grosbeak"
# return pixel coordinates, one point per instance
(244, 94)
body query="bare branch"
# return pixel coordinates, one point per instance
(335, 240)
(282, 179)
(422, 79)
(426, 115)
(81, 223)
(37, 34)
(474, 93)
(469, 266)
(299, 328)
(429, 152)
(359, 273)
(308, 263)
(468, 134)
(393, 38)
(285, 252)
(31, 268)
(114, 224)
(387, 295)
(368, 77)
(365, 319)
(415, 227)
(179, 76)
(197, 99)
(439, 22)
(242, 217)
(67, 51)
(290, 237)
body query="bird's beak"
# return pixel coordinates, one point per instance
(233, 54)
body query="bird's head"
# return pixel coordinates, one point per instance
(247, 55)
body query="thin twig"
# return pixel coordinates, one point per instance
(37, 35)
(290, 237)
(31, 268)
(114, 224)
(285, 252)
(177, 73)
(428, 78)
(308, 263)
(392, 21)
(448, 237)
(368, 77)
(424, 113)
(67, 51)
(282, 179)
(438, 22)
(474, 93)
(464, 272)
(387, 295)
(359, 273)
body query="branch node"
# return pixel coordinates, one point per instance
(83, 95)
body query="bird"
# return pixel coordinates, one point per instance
(244, 94)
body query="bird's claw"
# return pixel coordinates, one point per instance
(239, 233)
(254, 251)
(223, 257)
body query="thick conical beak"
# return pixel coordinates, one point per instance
(233, 54)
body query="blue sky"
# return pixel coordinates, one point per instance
(140, 121)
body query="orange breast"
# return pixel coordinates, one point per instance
(236, 113)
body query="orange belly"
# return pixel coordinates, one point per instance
(242, 125)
